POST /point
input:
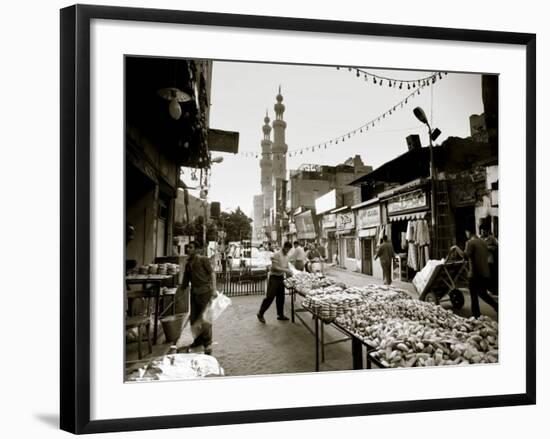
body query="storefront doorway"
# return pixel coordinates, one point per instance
(366, 256)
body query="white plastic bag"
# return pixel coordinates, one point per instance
(216, 306)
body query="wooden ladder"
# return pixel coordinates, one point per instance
(446, 235)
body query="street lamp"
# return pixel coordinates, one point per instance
(421, 116)
(218, 159)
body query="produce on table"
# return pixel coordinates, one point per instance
(401, 330)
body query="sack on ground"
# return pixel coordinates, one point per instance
(215, 307)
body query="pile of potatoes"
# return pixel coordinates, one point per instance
(404, 332)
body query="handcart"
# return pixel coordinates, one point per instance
(446, 280)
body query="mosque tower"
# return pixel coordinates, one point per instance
(266, 166)
(278, 154)
(279, 148)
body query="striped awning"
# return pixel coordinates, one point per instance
(409, 216)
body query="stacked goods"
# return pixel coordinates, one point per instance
(304, 282)
(335, 301)
(421, 278)
(331, 302)
(408, 332)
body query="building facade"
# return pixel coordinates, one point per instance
(161, 134)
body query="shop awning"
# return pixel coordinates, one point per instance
(409, 216)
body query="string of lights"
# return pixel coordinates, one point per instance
(394, 82)
(369, 125)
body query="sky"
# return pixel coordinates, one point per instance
(322, 103)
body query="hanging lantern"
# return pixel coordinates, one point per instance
(175, 96)
(381, 81)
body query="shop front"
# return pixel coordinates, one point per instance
(348, 251)
(329, 239)
(368, 223)
(408, 230)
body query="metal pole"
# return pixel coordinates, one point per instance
(204, 227)
(433, 189)
(432, 174)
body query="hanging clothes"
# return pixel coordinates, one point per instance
(423, 233)
(410, 231)
(403, 240)
(412, 256)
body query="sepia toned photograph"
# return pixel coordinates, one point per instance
(286, 218)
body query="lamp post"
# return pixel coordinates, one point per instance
(421, 116)
(204, 225)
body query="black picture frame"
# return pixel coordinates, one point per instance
(75, 217)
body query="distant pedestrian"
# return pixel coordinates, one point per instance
(312, 257)
(275, 284)
(298, 256)
(477, 253)
(201, 276)
(386, 254)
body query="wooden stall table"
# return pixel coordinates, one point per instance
(154, 282)
(357, 343)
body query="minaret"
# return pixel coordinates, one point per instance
(279, 147)
(266, 166)
(278, 153)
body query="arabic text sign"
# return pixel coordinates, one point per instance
(345, 221)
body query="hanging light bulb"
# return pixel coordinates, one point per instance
(414, 85)
(366, 77)
(174, 109)
(390, 83)
(400, 85)
(408, 86)
(381, 81)
(175, 96)
(357, 74)
(374, 80)
(337, 67)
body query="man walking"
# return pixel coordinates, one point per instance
(275, 285)
(478, 276)
(386, 254)
(199, 272)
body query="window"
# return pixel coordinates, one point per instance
(350, 248)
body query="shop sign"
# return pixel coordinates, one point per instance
(409, 201)
(305, 225)
(345, 221)
(369, 217)
(326, 202)
(329, 221)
